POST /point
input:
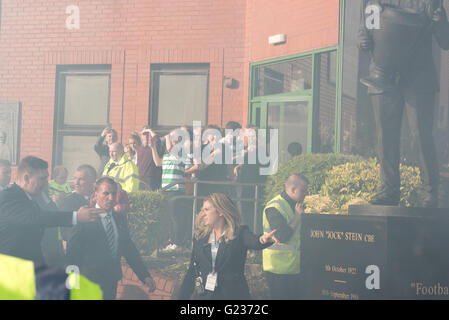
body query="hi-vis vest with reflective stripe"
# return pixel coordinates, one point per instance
(125, 172)
(283, 258)
(18, 282)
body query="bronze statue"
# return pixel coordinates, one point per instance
(402, 76)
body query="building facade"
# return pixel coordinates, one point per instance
(72, 67)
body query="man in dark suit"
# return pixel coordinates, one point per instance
(413, 89)
(22, 222)
(51, 243)
(84, 179)
(97, 247)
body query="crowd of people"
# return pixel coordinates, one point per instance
(50, 223)
(146, 162)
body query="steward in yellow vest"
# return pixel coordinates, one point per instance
(55, 188)
(281, 262)
(22, 280)
(121, 169)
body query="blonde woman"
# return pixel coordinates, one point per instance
(219, 252)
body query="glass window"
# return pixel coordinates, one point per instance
(291, 119)
(77, 150)
(86, 95)
(289, 76)
(81, 113)
(325, 100)
(179, 94)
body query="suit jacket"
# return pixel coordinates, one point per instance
(52, 249)
(22, 224)
(102, 150)
(229, 265)
(71, 202)
(87, 248)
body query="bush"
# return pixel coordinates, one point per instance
(148, 220)
(314, 167)
(358, 183)
(337, 181)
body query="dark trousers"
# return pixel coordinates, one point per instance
(246, 208)
(181, 218)
(109, 289)
(388, 110)
(284, 286)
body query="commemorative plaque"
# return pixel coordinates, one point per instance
(376, 253)
(10, 119)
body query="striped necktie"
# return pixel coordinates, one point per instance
(110, 235)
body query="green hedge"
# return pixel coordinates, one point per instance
(314, 167)
(148, 220)
(360, 181)
(337, 181)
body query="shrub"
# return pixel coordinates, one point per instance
(337, 181)
(148, 220)
(314, 167)
(358, 182)
(317, 203)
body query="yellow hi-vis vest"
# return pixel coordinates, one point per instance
(18, 282)
(125, 172)
(283, 258)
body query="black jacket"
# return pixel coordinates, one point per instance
(88, 249)
(71, 202)
(102, 150)
(230, 266)
(22, 224)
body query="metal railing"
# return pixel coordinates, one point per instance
(195, 197)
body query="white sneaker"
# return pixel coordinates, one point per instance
(170, 247)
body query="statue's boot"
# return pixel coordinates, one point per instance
(386, 198)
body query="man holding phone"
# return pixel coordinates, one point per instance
(108, 136)
(149, 172)
(281, 261)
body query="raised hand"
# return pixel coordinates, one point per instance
(269, 237)
(86, 214)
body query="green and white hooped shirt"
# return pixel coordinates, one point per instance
(173, 169)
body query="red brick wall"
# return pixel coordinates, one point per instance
(309, 25)
(132, 34)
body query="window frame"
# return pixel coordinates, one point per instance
(59, 127)
(311, 93)
(157, 69)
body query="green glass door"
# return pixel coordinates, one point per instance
(291, 116)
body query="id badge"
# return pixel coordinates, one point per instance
(211, 282)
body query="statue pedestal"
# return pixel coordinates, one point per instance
(376, 252)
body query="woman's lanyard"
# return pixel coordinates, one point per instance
(211, 281)
(214, 250)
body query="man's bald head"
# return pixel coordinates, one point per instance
(116, 151)
(296, 187)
